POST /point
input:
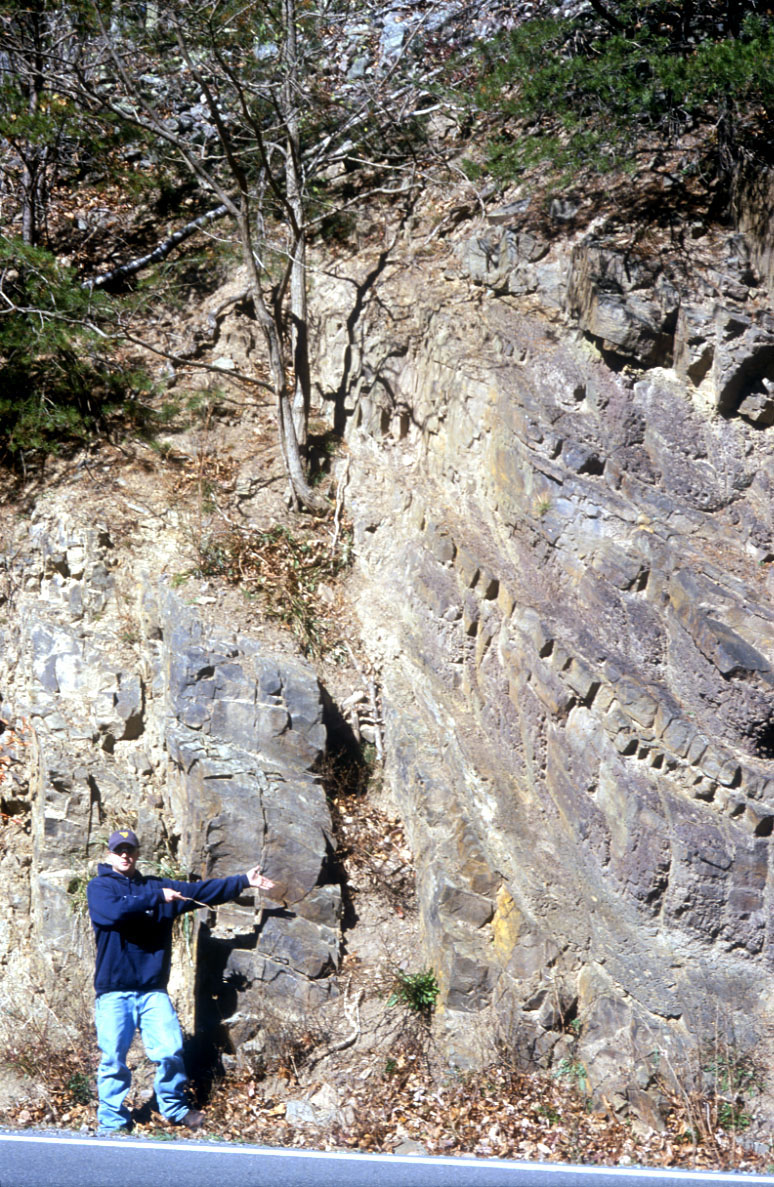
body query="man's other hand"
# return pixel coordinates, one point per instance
(171, 895)
(256, 879)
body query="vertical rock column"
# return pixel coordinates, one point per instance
(243, 732)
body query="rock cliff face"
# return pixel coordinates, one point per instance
(559, 475)
(561, 480)
(120, 704)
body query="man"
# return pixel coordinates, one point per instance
(132, 916)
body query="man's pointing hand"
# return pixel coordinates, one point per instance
(171, 895)
(256, 879)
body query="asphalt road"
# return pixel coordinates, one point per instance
(45, 1160)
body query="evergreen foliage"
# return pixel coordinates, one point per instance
(58, 385)
(57, 382)
(586, 93)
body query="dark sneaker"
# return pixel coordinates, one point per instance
(193, 1119)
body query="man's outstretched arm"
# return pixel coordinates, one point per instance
(216, 890)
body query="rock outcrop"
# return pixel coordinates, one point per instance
(120, 704)
(559, 478)
(561, 482)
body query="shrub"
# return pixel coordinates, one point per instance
(572, 1072)
(586, 90)
(418, 991)
(58, 384)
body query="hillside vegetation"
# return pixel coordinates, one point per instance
(611, 85)
(120, 125)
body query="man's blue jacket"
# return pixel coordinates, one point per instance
(133, 925)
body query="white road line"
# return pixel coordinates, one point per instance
(554, 1169)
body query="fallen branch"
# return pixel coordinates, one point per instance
(159, 253)
(352, 1012)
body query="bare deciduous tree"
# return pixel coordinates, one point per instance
(240, 95)
(39, 42)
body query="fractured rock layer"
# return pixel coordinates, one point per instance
(566, 578)
(121, 705)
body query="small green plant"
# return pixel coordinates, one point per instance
(572, 1072)
(733, 1080)
(733, 1075)
(368, 755)
(79, 1088)
(732, 1117)
(166, 865)
(76, 893)
(417, 991)
(714, 1095)
(543, 507)
(551, 1115)
(181, 411)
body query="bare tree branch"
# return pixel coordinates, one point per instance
(609, 17)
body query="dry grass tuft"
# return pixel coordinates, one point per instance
(289, 571)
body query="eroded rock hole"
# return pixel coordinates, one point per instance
(762, 737)
(593, 465)
(749, 392)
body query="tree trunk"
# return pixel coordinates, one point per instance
(301, 492)
(299, 338)
(299, 323)
(29, 200)
(31, 176)
(240, 206)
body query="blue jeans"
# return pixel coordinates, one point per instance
(118, 1016)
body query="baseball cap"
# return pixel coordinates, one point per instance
(124, 836)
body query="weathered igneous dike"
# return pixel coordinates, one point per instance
(125, 706)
